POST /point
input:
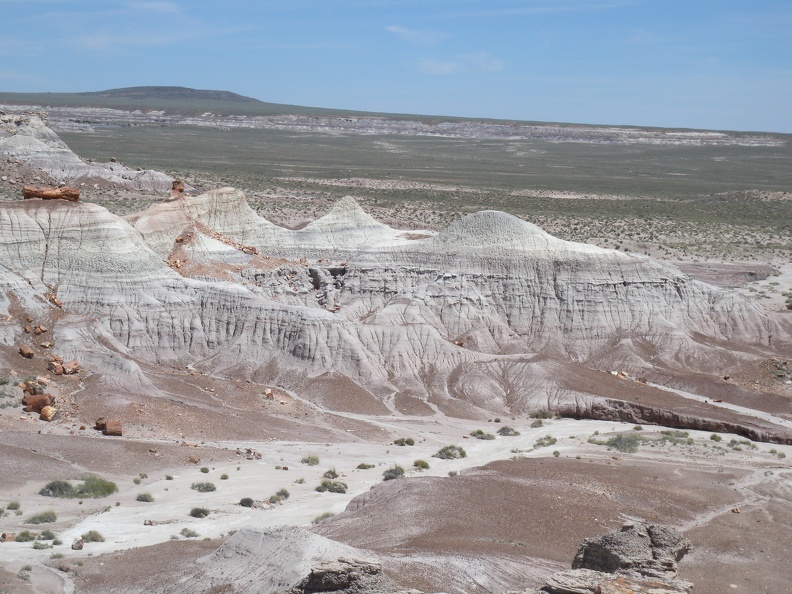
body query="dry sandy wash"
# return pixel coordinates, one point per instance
(232, 350)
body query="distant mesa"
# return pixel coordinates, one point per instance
(170, 93)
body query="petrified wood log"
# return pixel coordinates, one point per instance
(65, 193)
(113, 427)
(48, 413)
(35, 403)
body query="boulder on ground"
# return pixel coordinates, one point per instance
(113, 427)
(638, 559)
(36, 403)
(26, 351)
(7, 537)
(78, 544)
(339, 575)
(48, 413)
(71, 367)
(644, 549)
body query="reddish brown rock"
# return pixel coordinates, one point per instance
(26, 351)
(100, 424)
(113, 428)
(36, 403)
(177, 189)
(71, 367)
(64, 193)
(7, 537)
(56, 368)
(194, 459)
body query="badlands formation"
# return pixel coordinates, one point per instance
(224, 342)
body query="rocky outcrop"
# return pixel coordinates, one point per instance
(27, 138)
(630, 412)
(347, 576)
(638, 559)
(638, 549)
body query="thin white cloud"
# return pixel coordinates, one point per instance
(437, 67)
(483, 62)
(20, 77)
(110, 40)
(480, 62)
(155, 7)
(646, 37)
(417, 37)
(545, 9)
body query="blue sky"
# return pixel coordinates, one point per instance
(720, 64)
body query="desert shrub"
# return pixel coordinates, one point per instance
(91, 487)
(716, 437)
(453, 473)
(44, 517)
(496, 420)
(47, 535)
(781, 455)
(507, 431)
(56, 555)
(545, 441)
(246, 502)
(402, 441)
(40, 546)
(541, 414)
(205, 469)
(203, 487)
(396, 472)
(537, 423)
(187, 533)
(14, 505)
(96, 487)
(199, 512)
(322, 517)
(331, 474)
(675, 437)
(25, 536)
(310, 460)
(479, 434)
(556, 453)
(422, 464)
(136, 480)
(331, 487)
(450, 452)
(168, 477)
(145, 497)
(58, 489)
(223, 477)
(281, 495)
(637, 428)
(361, 466)
(93, 536)
(624, 443)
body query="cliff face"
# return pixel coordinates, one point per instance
(469, 313)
